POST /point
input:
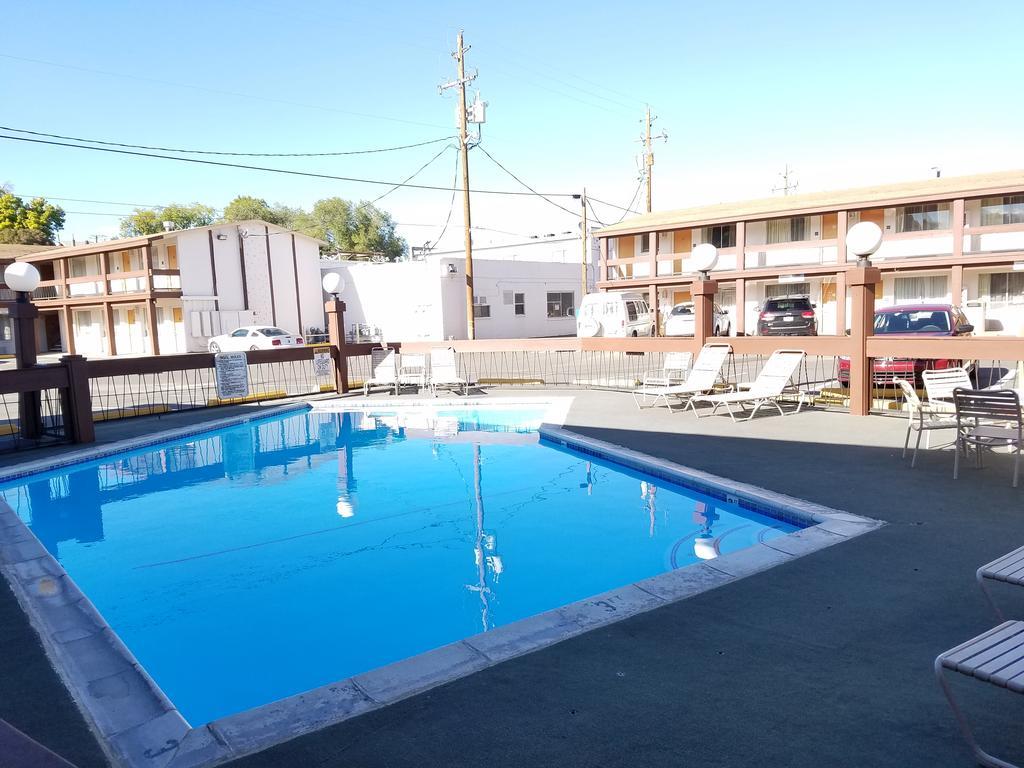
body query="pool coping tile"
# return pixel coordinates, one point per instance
(137, 725)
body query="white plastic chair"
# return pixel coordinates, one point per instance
(412, 370)
(702, 378)
(921, 417)
(673, 371)
(444, 373)
(939, 386)
(383, 370)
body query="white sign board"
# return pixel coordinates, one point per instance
(232, 375)
(322, 364)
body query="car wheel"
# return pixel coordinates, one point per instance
(214, 347)
(254, 348)
(634, 334)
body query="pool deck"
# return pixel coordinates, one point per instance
(825, 660)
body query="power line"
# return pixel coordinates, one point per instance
(594, 213)
(288, 172)
(405, 181)
(636, 193)
(230, 154)
(81, 200)
(451, 205)
(535, 192)
(611, 205)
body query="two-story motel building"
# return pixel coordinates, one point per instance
(957, 240)
(170, 292)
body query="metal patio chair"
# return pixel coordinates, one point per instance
(922, 418)
(1008, 569)
(703, 376)
(987, 418)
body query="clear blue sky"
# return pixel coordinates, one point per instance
(846, 94)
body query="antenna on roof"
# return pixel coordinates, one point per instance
(938, 171)
(786, 186)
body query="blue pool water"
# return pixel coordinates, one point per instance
(247, 564)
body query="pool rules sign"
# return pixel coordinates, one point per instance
(232, 375)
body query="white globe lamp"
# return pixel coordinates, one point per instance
(703, 259)
(863, 240)
(333, 283)
(23, 278)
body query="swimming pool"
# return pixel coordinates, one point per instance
(260, 560)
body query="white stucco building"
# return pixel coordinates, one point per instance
(521, 290)
(170, 292)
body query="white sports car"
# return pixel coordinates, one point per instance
(253, 337)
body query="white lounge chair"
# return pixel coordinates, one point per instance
(444, 373)
(922, 417)
(412, 371)
(703, 376)
(766, 389)
(383, 371)
(673, 371)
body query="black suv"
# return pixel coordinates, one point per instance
(789, 316)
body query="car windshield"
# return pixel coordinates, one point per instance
(912, 321)
(682, 309)
(272, 332)
(788, 305)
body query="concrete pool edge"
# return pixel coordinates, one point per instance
(137, 725)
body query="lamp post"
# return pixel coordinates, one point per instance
(863, 240)
(702, 291)
(23, 278)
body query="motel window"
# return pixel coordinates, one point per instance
(1002, 288)
(613, 247)
(561, 305)
(1008, 209)
(720, 236)
(790, 230)
(645, 242)
(922, 218)
(779, 290)
(480, 307)
(520, 303)
(914, 289)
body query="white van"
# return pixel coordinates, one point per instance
(614, 314)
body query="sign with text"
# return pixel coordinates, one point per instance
(322, 364)
(232, 375)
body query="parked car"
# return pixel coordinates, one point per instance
(680, 321)
(251, 337)
(614, 314)
(787, 316)
(913, 320)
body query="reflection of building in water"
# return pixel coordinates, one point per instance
(346, 473)
(705, 545)
(489, 565)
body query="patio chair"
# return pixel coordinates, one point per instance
(383, 371)
(921, 417)
(673, 370)
(987, 418)
(995, 657)
(939, 386)
(702, 378)
(766, 389)
(1008, 569)
(444, 372)
(412, 371)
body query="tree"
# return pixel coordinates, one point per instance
(245, 208)
(34, 223)
(348, 227)
(150, 221)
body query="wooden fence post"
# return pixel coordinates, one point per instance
(76, 402)
(860, 283)
(335, 310)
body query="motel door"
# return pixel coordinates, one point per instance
(129, 325)
(88, 330)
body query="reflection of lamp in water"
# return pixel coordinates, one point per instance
(345, 509)
(647, 492)
(705, 545)
(589, 484)
(346, 475)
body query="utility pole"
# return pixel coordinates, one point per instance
(460, 82)
(648, 170)
(586, 249)
(786, 186)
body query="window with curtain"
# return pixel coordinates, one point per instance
(1008, 209)
(791, 230)
(777, 290)
(561, 305)
(913, 289)
(922, 218)
(1002, 288)
(720, 235)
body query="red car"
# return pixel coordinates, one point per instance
(911, 320)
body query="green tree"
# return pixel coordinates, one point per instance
(36, 222)
(245, 208)
(150, 221)
(345, 226)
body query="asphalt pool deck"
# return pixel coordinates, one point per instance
(823, 661)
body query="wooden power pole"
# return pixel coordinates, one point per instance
(647, 140)
(586, 249)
